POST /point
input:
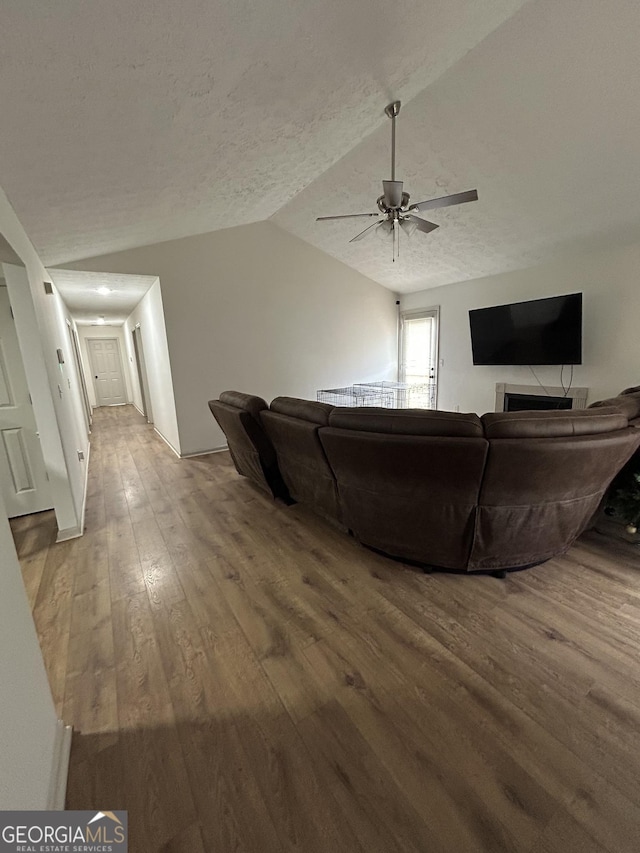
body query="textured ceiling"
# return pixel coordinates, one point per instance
(80, 291)
(543, 118)
(126, 124)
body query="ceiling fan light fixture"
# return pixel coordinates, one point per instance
(384, 230)
(408, 227)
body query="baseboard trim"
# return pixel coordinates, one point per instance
(59, 768)
(86, 486)
(140, 412)
(166, 441)
(69, 533)
(220, 449)
(205, 452)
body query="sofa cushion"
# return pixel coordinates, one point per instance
(553, 424)
(407, 421)
(635, 389)
(306, 410)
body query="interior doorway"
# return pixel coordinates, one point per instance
(107, 371)
(138, 349)
(23, 475)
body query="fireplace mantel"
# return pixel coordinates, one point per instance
(578, 396)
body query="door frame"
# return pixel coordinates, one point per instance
(143, 378)
(75, 349)
(93, 373)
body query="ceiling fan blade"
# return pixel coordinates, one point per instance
(346, 216)
(362, 233)
(422, 224)
(446, 201)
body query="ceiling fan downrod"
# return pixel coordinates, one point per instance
(392, 111)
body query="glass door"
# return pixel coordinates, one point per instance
(419, 355)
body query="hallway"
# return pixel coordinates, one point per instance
(242, 677)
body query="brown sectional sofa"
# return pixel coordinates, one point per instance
(449, 490)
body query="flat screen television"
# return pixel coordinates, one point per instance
(542, 331)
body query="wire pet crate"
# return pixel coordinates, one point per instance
(357, 395)
(387, 395)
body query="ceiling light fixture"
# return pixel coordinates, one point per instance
(104, 291)
(101, 321)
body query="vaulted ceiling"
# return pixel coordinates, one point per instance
(125, 124)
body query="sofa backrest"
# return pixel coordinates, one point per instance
(292, 426)
(407, 422)
(238, 416)
(408, 481)
(545, 475)
(627, 402)
(553, 424)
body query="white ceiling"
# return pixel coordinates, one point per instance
(124, 124)
(543, 118)
(80, 291)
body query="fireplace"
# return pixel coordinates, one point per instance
(527, 402)
(518, 398)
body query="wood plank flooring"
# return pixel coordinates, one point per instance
(242, 677)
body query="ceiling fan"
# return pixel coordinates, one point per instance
(394, 211)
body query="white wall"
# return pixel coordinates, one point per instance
(611, 342)
(27, 714)
(256, 309)
(73, 426)
(149, 314)
(85, 332)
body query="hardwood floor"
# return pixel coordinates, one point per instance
(242, 677)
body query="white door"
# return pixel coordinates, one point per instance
(106, 366)
(23, 476)
(418, 355)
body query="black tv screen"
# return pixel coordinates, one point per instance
(542, 331)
